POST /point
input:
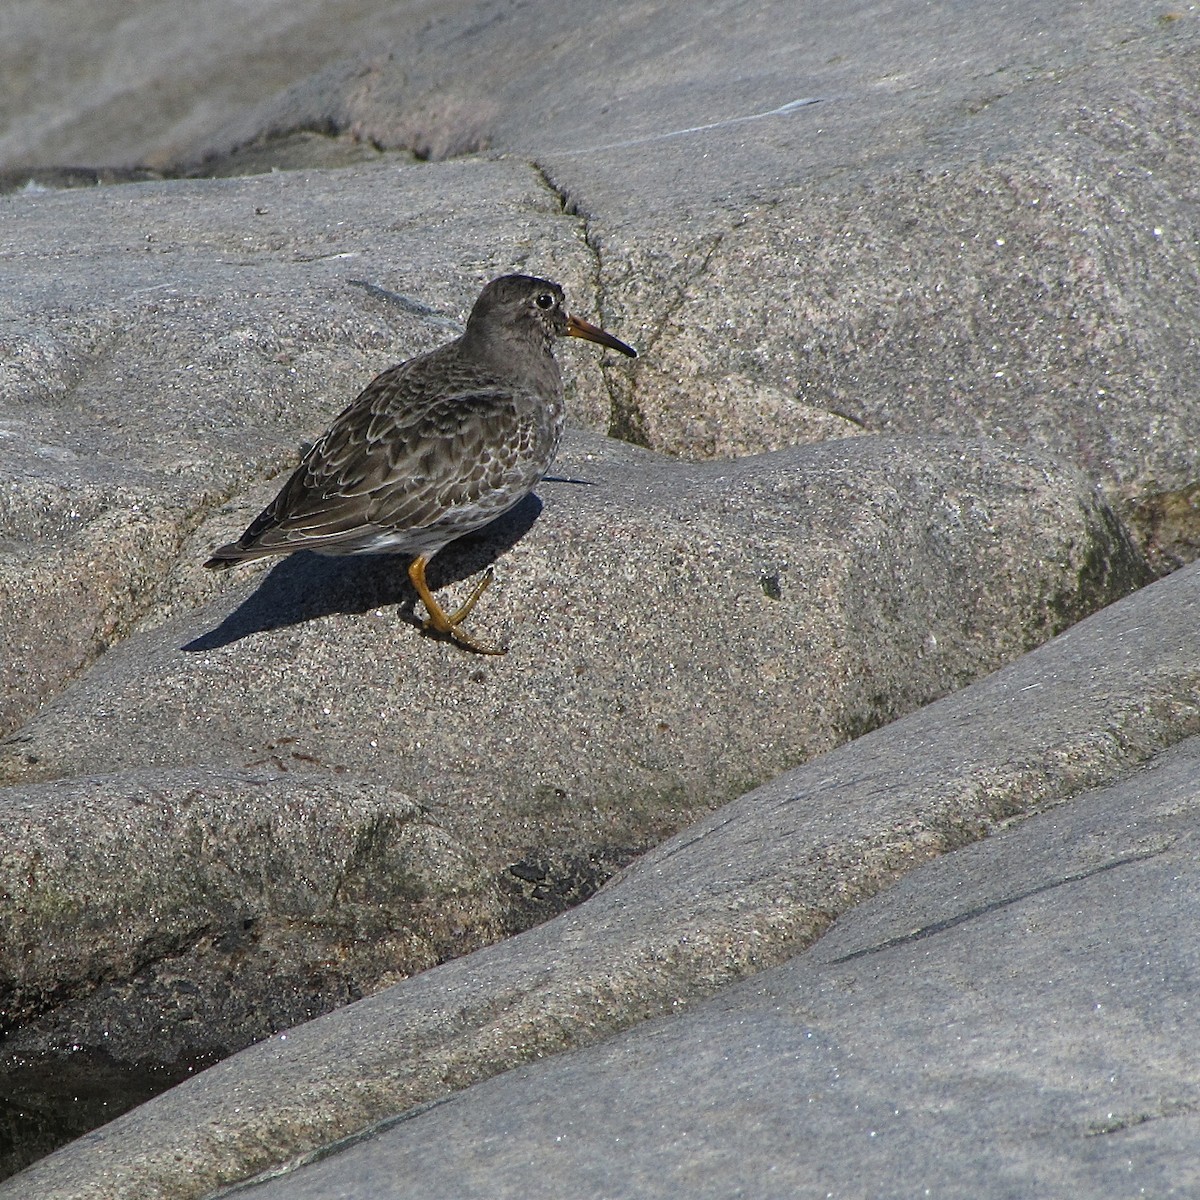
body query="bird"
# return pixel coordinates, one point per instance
(434, 447)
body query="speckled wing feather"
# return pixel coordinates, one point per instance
(402, 469)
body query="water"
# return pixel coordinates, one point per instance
(46, 1103)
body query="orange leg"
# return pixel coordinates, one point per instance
(442, 622)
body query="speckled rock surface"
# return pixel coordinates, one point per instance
(166, 344)
(983, 224)
(141, 894)
(644, 603)
(967, 239)
(674, 629)
(904, 1053)
(751, 886)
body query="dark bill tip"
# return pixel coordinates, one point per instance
(578, 327)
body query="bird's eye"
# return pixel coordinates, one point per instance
(544, 300)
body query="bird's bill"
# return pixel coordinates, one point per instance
(578, 327)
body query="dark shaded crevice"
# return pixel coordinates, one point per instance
(1122, 1123)
(1166, 525)
(625, 422)
(24, 1008)
(547, 881)
(45, 1104)
(628, 421)
(1114, 565)
(38, 179)
(331, 1149)
(294, 149)
(984, 910)
(319, 146)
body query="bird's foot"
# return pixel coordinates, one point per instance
(464, 609)
(447, 624)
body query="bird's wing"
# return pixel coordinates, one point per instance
(396, 458)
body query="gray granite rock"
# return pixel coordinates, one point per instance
(986, 224)
(993, 235)
(1016, 1019)
(647, 604)
(163, 345)
(192, 336)
(673, 632)
(1010, 947)
(160, 916)
(102, 82)
(983, 229)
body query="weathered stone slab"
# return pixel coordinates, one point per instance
(677, 632)
(994, 235)
(985, 230)
(1016, 1018)
(1069, 893)
(232, 900)
(674, 632)
(161, 345)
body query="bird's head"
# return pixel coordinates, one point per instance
(527, 308)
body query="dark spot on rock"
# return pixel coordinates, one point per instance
(531, 872)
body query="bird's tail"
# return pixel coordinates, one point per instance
(229, 555)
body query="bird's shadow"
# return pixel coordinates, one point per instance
(304, 585)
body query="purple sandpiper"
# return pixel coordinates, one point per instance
(435, 447)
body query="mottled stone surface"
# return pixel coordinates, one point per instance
(163, 345)
(674, 629)
(1014, 1019)
(986, 223)
(924, 285)
(1081, 898)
